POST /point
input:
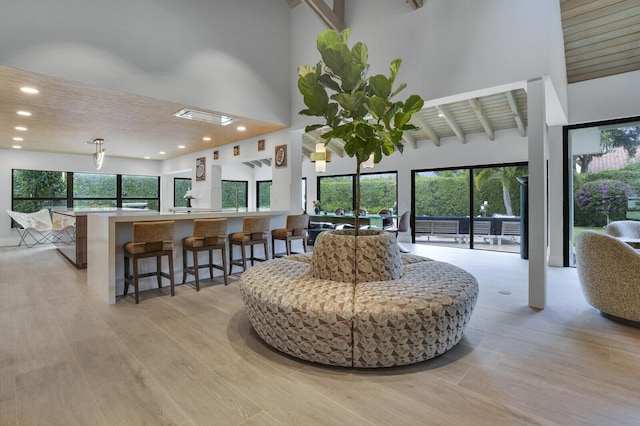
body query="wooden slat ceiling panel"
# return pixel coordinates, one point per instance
(601, 37)
(495, 107)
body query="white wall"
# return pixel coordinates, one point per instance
(228, 56)
(232, 168)
(605, 98)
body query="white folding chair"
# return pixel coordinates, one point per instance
(37, 228)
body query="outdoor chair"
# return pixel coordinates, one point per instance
(37, 228)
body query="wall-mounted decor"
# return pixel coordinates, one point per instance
(281, 156)
(236, 150)
(261, 145)
(215, 155)
(201, 168)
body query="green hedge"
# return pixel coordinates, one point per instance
(449, 196)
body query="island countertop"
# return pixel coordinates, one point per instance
(108, 231)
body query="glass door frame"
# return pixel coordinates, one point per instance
(567, 199)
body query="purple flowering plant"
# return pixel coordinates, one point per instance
(604, 196)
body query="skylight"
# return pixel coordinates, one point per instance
(192, 114)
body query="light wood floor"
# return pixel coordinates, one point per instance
(67, 358)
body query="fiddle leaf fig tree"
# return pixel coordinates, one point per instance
(356, 108)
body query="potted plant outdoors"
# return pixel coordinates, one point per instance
(356, 108)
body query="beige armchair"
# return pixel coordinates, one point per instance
(624, 228)
(609, 273)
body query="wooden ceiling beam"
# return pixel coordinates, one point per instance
(409, 139)
(482, 117)
(453, 124)
(517, 115)
(332, 18)
(293, 3)
(422, 123)
(336, 147)
(415, 4)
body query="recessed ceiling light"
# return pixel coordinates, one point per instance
(16, 147)
(206, 138)
(209, 117)
(181, 147)
(162, 153)
(147, 158)
(18, 139)
(241, 128)
(20, 128)
(24, 113)
(30, 90)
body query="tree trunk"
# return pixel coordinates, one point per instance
(357, 212)
(506, 198)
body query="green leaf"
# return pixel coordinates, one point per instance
(336, 56)
(305, 69)
(328, 38)
(380, 86)
(413, 104)
(387, 148)
(400, 119)
(346, 33)
(376, 106)
(398, 90)
(328, 82)
(316, 100)
(394, 67)
(351, 76)
(307, 82)
(360, 54)
(331, 111)
(351, 103)
(313, 127)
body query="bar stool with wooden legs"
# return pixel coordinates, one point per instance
(296, 229)
(255, 230)
(150, 239)
(208, 235)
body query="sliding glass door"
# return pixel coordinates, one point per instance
(603, 177)
(471, 207)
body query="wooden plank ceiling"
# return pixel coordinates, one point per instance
(601, 37)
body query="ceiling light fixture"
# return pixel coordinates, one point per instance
(20, 128)
(161, 152)
(16, 146)
(30, 90)
(241, 128)
(209, 117)
(147, 158)
(18, 139)
(181, 147)
(24, 113)
(206, 138)
(98, 156)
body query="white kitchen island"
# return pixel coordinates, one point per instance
(107, 232)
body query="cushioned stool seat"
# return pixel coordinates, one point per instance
(150, 239)
(255, 231)
(296, 229)
(208, 235)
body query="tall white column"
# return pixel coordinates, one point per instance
(538, 229)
